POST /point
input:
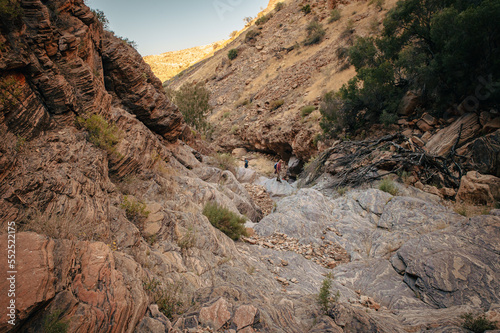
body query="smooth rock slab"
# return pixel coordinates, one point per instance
(456, 266)
(378, 279)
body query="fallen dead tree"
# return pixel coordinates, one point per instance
(353, 163)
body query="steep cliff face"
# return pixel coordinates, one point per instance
(57, 64)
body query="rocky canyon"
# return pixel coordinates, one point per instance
(104, 188)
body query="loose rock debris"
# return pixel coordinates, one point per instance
(329, 254)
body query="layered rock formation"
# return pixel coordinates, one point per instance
(112, 237)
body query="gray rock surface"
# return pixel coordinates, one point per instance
(276, 188)
(455, 266)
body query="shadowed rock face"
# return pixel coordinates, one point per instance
(137, 89)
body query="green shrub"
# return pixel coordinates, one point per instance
(102, 133)
(336, 114)
(192, 99)
(306, 9)
(170, 299)
(263, 19)
(225, 220)
(10, 11)
(279, 6)
(128, 42)
(225, 161)
(477, 324)
(315, 33)
(232, 54)
(10, 92)
(342, 190)
(251, 36)
(53, 324)
(21, 141)
(234, 129)
(188, 240)
(388, 186)
(307, 110)
(276, 104)
(101, 17)
(334, 15)
(135, 210)
(387, 118)
(325, 299)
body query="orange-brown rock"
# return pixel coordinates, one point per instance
(217, 314)
(408, 104)
(137, 89)
(478, 188)
(79, 278)
(443, 141)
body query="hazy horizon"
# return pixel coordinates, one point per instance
(163, 26)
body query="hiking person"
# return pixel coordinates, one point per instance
(278, 170)
(246, 163)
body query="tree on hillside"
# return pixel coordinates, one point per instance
(447, 50)
(192, 100)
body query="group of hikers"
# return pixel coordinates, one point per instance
(278, 168)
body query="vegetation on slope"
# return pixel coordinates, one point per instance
(192, 100)
(225, 220)
(445, 50)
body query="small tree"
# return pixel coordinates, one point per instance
(279, 6)
(248, 20)
(233, 34)
(325, 298)
(192, 100)
(334, 15)
(315, 33)
(306, 9)
(101, 17)
(251, 36)
(232, 54)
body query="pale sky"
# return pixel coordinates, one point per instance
(159, 26)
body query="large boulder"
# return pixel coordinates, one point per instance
(408, 104)
(484, 154)
(295, 166)
(478, 188)
(442, 142)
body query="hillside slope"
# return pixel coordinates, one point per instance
(169, 64)
(276, 66)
